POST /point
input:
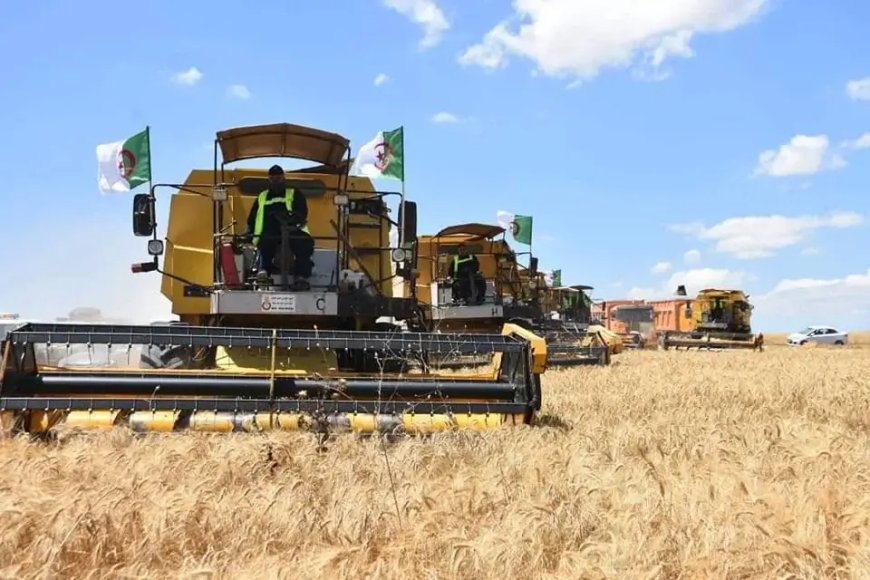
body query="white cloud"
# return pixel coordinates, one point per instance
(859, 90)
(661, 268)
(694, 281)
(189, 77)
(427, 14)
(761, 236)
(835, 301)
(642, 293)
(239, 92)
(692, 257)
(444, 117)
(862, 142)
(802, 155)
(699, 279)
(567, 38)
(381, 79)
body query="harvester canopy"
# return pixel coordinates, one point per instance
(282, 140)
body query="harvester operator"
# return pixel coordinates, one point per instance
(465, 272)
(281, 205)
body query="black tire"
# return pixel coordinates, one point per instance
(162, 357)
(839, 343)
(803, 342)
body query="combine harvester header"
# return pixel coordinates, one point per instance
(251, 354)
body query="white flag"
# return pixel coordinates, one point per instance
(505, 220)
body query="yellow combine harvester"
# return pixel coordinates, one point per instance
(561, 314)
(249, 354)
(499, 293)
(718, 319)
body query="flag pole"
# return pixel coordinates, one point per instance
(150, 157)
(402, 205)
(151, 184)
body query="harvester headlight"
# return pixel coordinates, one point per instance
(155, 247)
(341, 199)
(398, 255)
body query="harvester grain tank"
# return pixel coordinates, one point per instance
(250, 355)
(715, 318)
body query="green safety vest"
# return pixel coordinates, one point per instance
(263, 201)
(457, 260)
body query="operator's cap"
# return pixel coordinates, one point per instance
(276, 170)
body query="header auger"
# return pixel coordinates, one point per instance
(248, 354)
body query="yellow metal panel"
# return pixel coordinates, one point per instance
(96, 419)
(159, 421)
(212, 422)
(538, 345)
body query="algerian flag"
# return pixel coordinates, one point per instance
(124, 165)
(557, 278)
(383, 156)
(519, 225)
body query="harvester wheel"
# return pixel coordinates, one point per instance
(156, 356)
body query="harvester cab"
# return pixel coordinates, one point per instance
(251, 356)
(466, 271)
(719, 319)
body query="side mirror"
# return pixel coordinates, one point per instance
(143, 214)
(408, 213)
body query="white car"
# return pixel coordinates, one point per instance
(820, 334)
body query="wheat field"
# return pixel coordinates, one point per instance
(663, 465)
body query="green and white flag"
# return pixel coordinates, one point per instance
(124, 165)
(519, 225)
(557, 278)
(383, 156)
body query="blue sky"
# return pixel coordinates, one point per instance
(737, 131)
